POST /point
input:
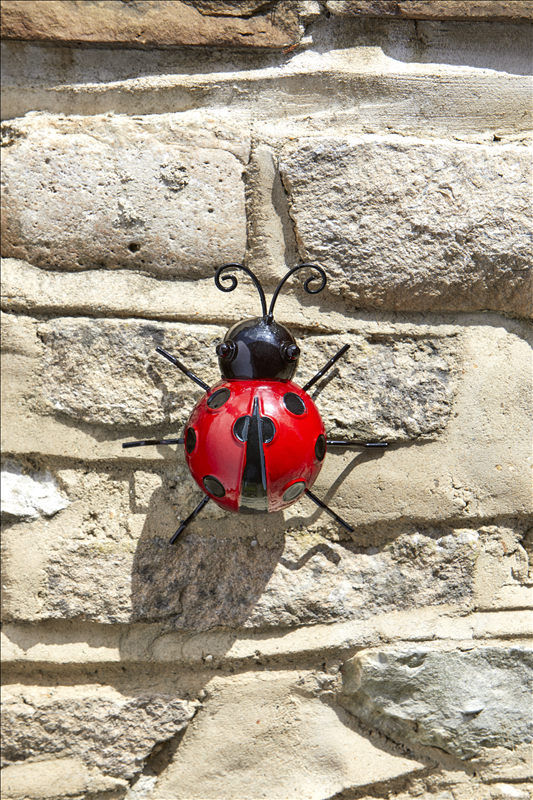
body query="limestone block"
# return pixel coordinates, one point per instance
(107, 559)
(393, 387)
(387, 387)
(102, 728)
(270, 737)
(349, 82)
(414, 225)
(156, 23)
(29, 495)
(459, 702)
(429, 9)
(110, 191)
(106, 372)
(55, 778)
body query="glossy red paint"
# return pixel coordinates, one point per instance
(290, 457)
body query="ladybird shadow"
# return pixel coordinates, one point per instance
(212, 576)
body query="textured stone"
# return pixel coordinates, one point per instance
(107, 372)
(304, 581)
(510, 10)
(394, 387)
(112, 732)
(459, 702)
(272, 737)
(287, 96)
(70, 646)
(108, 192)
(107, 559)
(155, 23)
(415, 225)
(52, 779)
(387, 387)
(29, 495)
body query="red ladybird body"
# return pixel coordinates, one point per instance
(255, 445)
(255, 442)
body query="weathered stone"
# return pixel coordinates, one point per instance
(69, 646)
(108, 192)
(285, 742)
(112, 732)
(107, 559)
(153, 22)
(459, 702)
(487, 100)
(415, 225)
(106, 372)
(29, 495)
(53, 779)
(510, 10)
(305, 580)
(387, 387)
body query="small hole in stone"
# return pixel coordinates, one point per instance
(134, 247)
(46, 160)
(210, 210)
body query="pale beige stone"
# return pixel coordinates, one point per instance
(415, 225)
(388, 387)
(108, 731)
(108, 192)
(107, 558)
(468, 82)
(443, 9)
(58, 642)
(284, 743)
(51, 779)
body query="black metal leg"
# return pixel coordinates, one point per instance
(359, 445)
(325, 368)
(326, 508)
(152, 441)
(179, 365)
(190, 518)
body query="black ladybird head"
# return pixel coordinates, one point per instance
(260, 348)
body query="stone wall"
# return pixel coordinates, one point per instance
(144, 145)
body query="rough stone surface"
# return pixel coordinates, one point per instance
(413, 225)
(52, 779)
(455, 701)
(28, 496)
(107, 559)
(114, 733)
(441, 10)
(285, 742)
(106, 372)
(302, 581)
(387, 387)
(155, 23)
(103, 193)
(111, 637)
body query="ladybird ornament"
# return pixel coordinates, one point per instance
(255, 442)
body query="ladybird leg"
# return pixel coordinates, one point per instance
(325, 368)
(359, 445)
(326, 508)
(190, 518)
(183, 368)
(152, 441)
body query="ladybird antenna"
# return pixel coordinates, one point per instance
(306, 284)
(233, 282)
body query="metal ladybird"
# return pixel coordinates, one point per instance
(255, 442)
